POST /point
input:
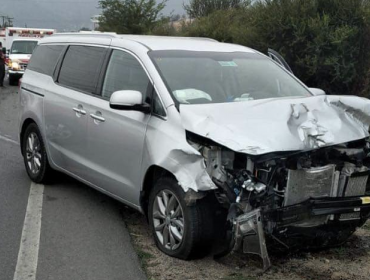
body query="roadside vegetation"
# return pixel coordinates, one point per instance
(326, 42)
(351, 261)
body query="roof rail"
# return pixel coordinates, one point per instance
(204, 38)
(132, 36)
(88, 33)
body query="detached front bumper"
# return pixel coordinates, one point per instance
(314, 207)
(250, 229)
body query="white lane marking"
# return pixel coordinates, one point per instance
(29, 249)
(8, 140)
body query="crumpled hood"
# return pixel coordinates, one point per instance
(276, 125)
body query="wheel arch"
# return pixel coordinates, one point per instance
(153, 173)
(25, 124)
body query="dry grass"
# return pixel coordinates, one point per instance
(349, 262)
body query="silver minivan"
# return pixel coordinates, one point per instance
(220, 146)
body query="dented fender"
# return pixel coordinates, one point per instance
(166, 146)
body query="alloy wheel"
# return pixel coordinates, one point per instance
(168, 219)
(33, 153)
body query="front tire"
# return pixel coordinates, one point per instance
(179, 230)
(34, 155)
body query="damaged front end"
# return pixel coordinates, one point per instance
(290, 200)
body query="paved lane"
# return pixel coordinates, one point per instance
(83, 235)
(14, 190)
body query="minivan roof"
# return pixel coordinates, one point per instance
(149, 41)
(26, 39)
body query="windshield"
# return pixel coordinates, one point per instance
(23, 47)
(211, 77)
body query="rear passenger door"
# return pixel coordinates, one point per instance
(66, 108)
(116, 138)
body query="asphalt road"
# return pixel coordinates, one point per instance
(83, 235)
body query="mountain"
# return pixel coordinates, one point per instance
(63, 15)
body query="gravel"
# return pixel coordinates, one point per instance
(351, 261)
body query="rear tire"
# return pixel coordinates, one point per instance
(189, 228)
(34, 155)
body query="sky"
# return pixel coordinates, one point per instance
(63, 15)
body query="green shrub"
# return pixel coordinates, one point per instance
(131, 16)
(326, 42)
(202, 8)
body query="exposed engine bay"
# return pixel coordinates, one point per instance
(289, 200)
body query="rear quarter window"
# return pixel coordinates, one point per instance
(45, 58)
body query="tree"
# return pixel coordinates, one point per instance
(130, 16)
(326, 42)
(202, 8)
(175, 17)
(85, 29)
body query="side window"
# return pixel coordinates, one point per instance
(124, 72)
(81, 67)
(45, 58)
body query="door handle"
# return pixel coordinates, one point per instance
(98, 118)
(79, 110)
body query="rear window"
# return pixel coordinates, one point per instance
(45, 58)
(81, 68)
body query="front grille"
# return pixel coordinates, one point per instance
(356, 186)
(349, 216)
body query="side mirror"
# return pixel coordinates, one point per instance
(317, 91)
(129, 100)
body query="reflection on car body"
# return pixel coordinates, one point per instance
(219, 145)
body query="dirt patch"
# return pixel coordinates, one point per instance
(348, 262)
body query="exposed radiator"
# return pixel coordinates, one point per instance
(325, 182)
(305, 183)
(354, 185)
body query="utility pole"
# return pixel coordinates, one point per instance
(3, 18)
(10, 22)
(6, 21)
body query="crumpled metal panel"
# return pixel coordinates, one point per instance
(253, 127)
(166, 146)
(250, 235)
(281, 124)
